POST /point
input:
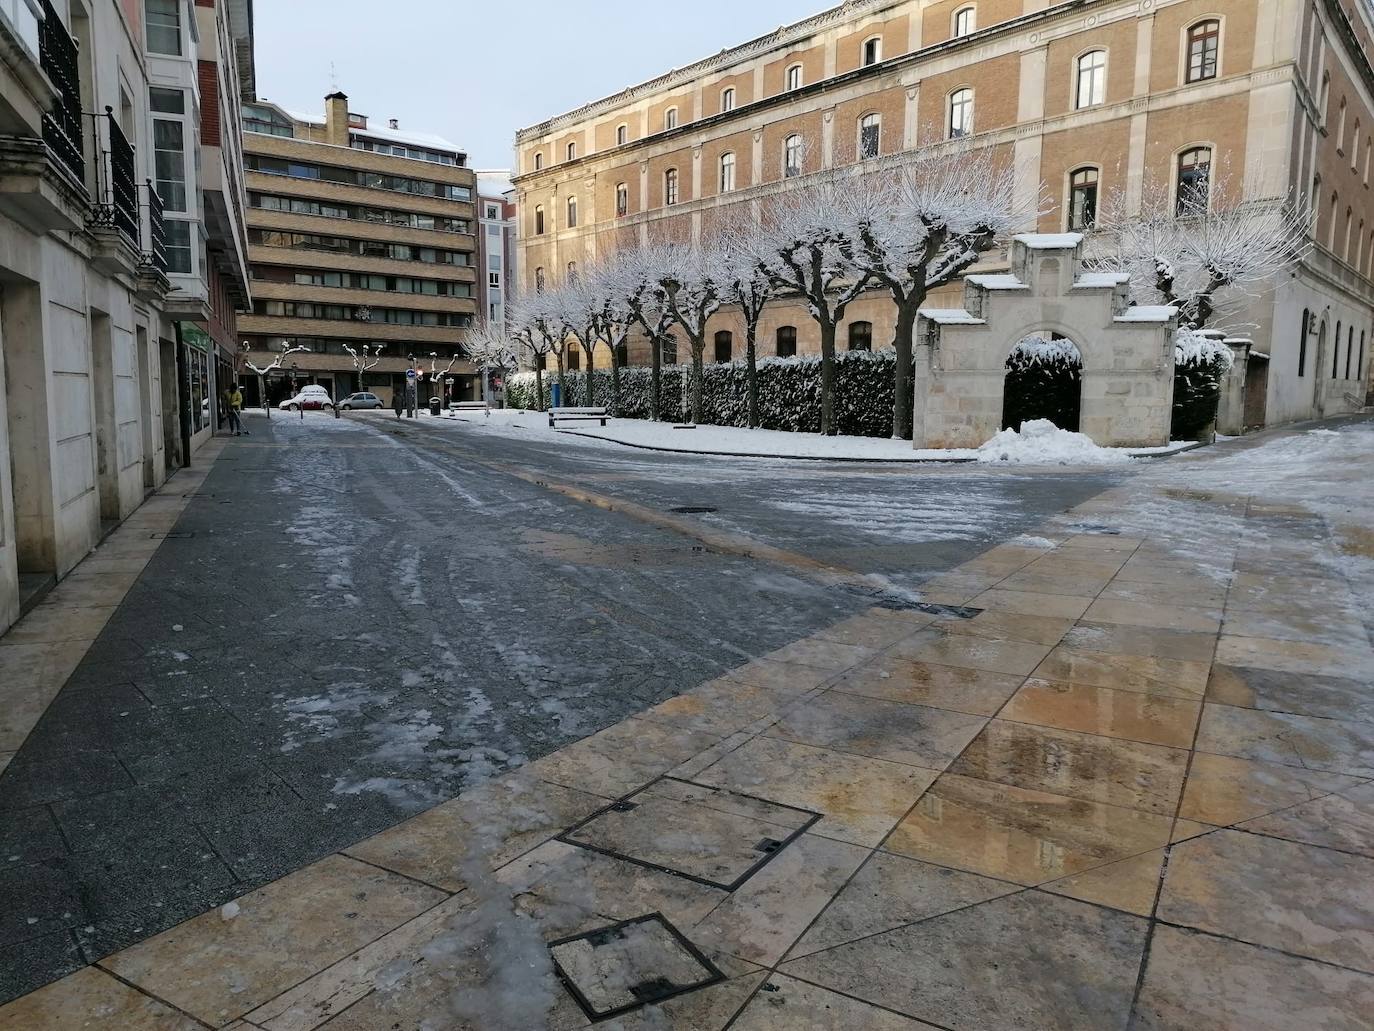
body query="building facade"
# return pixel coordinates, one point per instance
(361, 243)
(496, 241)
(88, 359)
(1085, 97)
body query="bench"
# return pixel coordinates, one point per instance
(469, 406)
(577, 415)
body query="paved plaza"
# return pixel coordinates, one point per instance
(371, 725)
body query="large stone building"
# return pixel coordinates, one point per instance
(106, 372)
(361, 237)
(1084, 96)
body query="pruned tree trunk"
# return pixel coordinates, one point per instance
(538, 388)
(903, 343)
(752, 371)
(655, 378)
(590, 352)
(828, 424)
(562, 379)
(615, 381)
(698, 350)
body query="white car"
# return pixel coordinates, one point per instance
(310, 399)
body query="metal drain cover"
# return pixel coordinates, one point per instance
(693, 509)
(182, 535)
(616, 969)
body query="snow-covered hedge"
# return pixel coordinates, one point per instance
(1044, 381)
(789, 392)
(1201, 361)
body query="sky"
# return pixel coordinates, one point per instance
(467, 72)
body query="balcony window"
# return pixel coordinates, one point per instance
(1082, 199)
(164, 26)
(960, 113)
(1091, 88)
(794, 153)
(1204, 40)
(169, 159)
(870, 136)
(622, 199)
(1194, 171)
(727, 173)
(178, 241)
(965, 21)
(670, 187)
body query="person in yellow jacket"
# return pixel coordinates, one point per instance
(236, 410)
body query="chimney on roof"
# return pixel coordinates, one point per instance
(336, 119)
(393, 123)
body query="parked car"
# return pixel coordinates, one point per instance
(310, 399)
(361, 400)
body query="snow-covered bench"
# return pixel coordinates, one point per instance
(577, 415)
(455, 407)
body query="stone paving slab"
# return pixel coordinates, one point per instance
(1122, 824)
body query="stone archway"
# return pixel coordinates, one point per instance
(1044, 380)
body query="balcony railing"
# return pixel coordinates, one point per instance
(57, 55)
(116, 204)
(156, 254)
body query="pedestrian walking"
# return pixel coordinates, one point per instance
(398, 401)
(235, 408)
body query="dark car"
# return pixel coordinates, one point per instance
(362, 400)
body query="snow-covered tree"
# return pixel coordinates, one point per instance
(694, 280)
(537, 331)
(365, 358)
(613, 318)
(748, 285)
(919, 222)
(638, 284)
(1210, 250)
(490, 347)
(273, 366)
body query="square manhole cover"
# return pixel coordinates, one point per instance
(616, 969)
(180, 535)
(709, 835)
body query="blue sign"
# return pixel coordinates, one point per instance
(410, 374)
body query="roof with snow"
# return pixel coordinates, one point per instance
(1049, 241)
(414, 139)
(997, 282)
(951, 317)
(1091, 280)
(1147, 313)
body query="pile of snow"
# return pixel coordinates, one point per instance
(1041, 442)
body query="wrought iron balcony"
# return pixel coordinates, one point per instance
(156, 254)
(116, 205)
(57, 55)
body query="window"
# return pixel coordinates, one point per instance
(1326, 97)
(727, 173)
(727, 99)
(494, 280)
(572, 272)
(873, 50)
(493, 211)
(787, 341)
(670, 119)
(793, 78)
(965, 21)
(178, 238)
(572, 151)
(1302, 343)
(1194, 169)
(861, 336)
(574, 359)
(1082, 199)
(539, 220)
(1355, 147)
(622, 199)
(1349, 350)
(1368, 146)
(1091, 88)
(670, 187)
(622, 135)
(1336, 352)
(572, 213)
(794, 153)
(163, 20)
(169, 160)
(725, 346)
(1359, 363)
(538, 161)
(870, 136)
(1203, 40)
(1340, 126)
(167, 101)
(960, 113)
(539, 280)
(1331, 229)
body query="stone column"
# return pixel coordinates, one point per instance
(1231, 406)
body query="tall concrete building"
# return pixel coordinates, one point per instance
(1084, 96)
(361, 236)
(107, 227)
(496, 243)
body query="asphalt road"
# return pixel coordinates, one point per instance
(369, 616)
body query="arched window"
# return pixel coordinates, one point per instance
(870, 136)
(538, 161)
(1359, 247)
(727, 99)
(670, 187)
(1083, 184)
(622, 135)
(1368, 145)
(622, 199)
(1091, 87)
(873, 50)
(574, 359)
(670, 119)
(1192, 188)
(1336, 352)
(539, 220)
(1302, 343)
(727, 173)
(572, 213)
(725, 346)
(1355, 147)
(622, 354)
(572, 272)
(1331, 229)
(793, 156)
(787, 341)
(572, 151)
(960, 113)
(1326, 97)
(861, 336)
(793, 78)
(965, 21)
(1359, 363)
(1204, 41)
(1340, 125)
(1315, 203)
(539, 280)
(1321, 346)
(1349, 222)
(1349, 350)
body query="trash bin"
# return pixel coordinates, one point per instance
(555, 396)
(433, 406)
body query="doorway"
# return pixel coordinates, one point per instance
(1256, 390)
(1044, 381)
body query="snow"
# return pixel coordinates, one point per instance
(1194, 347)
(1042, 351)
(228, 911)
(951, 317)
(1092, 280)
(1041, 442)
(1147, 313)
(1049, 241)
(998, 282)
